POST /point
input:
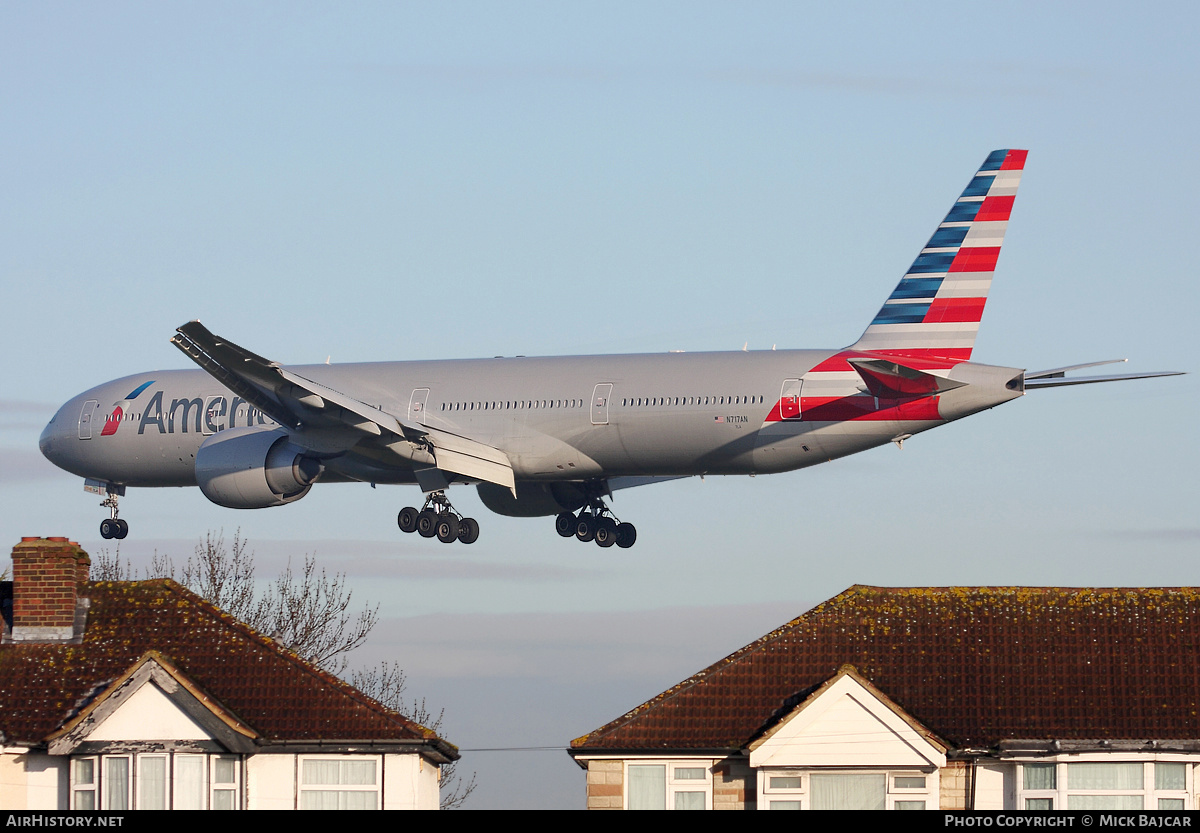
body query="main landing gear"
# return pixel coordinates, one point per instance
(112, 526)
(438, 519)
(596, 522)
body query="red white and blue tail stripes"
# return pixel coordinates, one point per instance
(929, 322)
(935, 309)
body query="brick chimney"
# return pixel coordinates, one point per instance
(48, 574)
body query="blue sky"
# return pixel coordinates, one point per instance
(414, 180)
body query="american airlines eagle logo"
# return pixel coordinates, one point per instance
(121, 408)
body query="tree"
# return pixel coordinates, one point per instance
(386, 683)
(307, 610)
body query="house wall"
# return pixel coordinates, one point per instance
(37, 781)
(270, 782)
(605, 785)
(954, 786)
(994, 786)
(734, 785)
(32, 781)
(410, 783)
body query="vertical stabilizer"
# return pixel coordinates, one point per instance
(936, 307)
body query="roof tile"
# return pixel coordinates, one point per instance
(271, 689)
(977, 665)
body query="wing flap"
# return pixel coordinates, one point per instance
(476, 468)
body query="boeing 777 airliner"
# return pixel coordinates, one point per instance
(556, 436)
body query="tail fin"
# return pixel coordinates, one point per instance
(935, 309)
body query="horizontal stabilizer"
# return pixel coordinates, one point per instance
(1060, 381)
(1060, 371)
(889, 380)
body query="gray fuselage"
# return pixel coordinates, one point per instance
(557, 419)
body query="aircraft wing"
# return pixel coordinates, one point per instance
(323, 419)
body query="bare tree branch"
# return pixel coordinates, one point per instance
(454, 791)
(222, 577)
(310, 614)
(107, 566)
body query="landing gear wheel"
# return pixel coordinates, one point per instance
(407, 519)
(112, 526)
(606, 532)
(438, 518)
(585, 528)
(446, 528)
(626, 535)
(427, 523)
(468, 530)
(565, 524)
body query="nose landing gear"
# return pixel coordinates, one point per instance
(596, 522)
(112, 526)
(438, 519)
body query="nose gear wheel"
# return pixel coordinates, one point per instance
(113, 526)
(438, 519)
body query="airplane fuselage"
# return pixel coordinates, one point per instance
(558, 419)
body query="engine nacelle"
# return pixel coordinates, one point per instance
(533, 499)
(252, 468)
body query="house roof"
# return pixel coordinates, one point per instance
(281, 697)
(976, 665)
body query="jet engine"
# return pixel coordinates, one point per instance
(533, 499)
(252, 468)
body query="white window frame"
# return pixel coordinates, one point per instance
(139, 782)
(105, 804)
(892, 793)
(768, 794)
(375, 789)
(134, 762)
(216, 787)
(673, 784)
(1060, 795)
(90, 787)
(177, 796)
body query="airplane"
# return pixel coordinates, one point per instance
(556, 436)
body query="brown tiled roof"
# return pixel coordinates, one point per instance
(976, 665)
(273, 691)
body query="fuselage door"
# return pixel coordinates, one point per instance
(600, 397)
(789, 399)
(85, 418)
(214, 415)
(416, 405)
